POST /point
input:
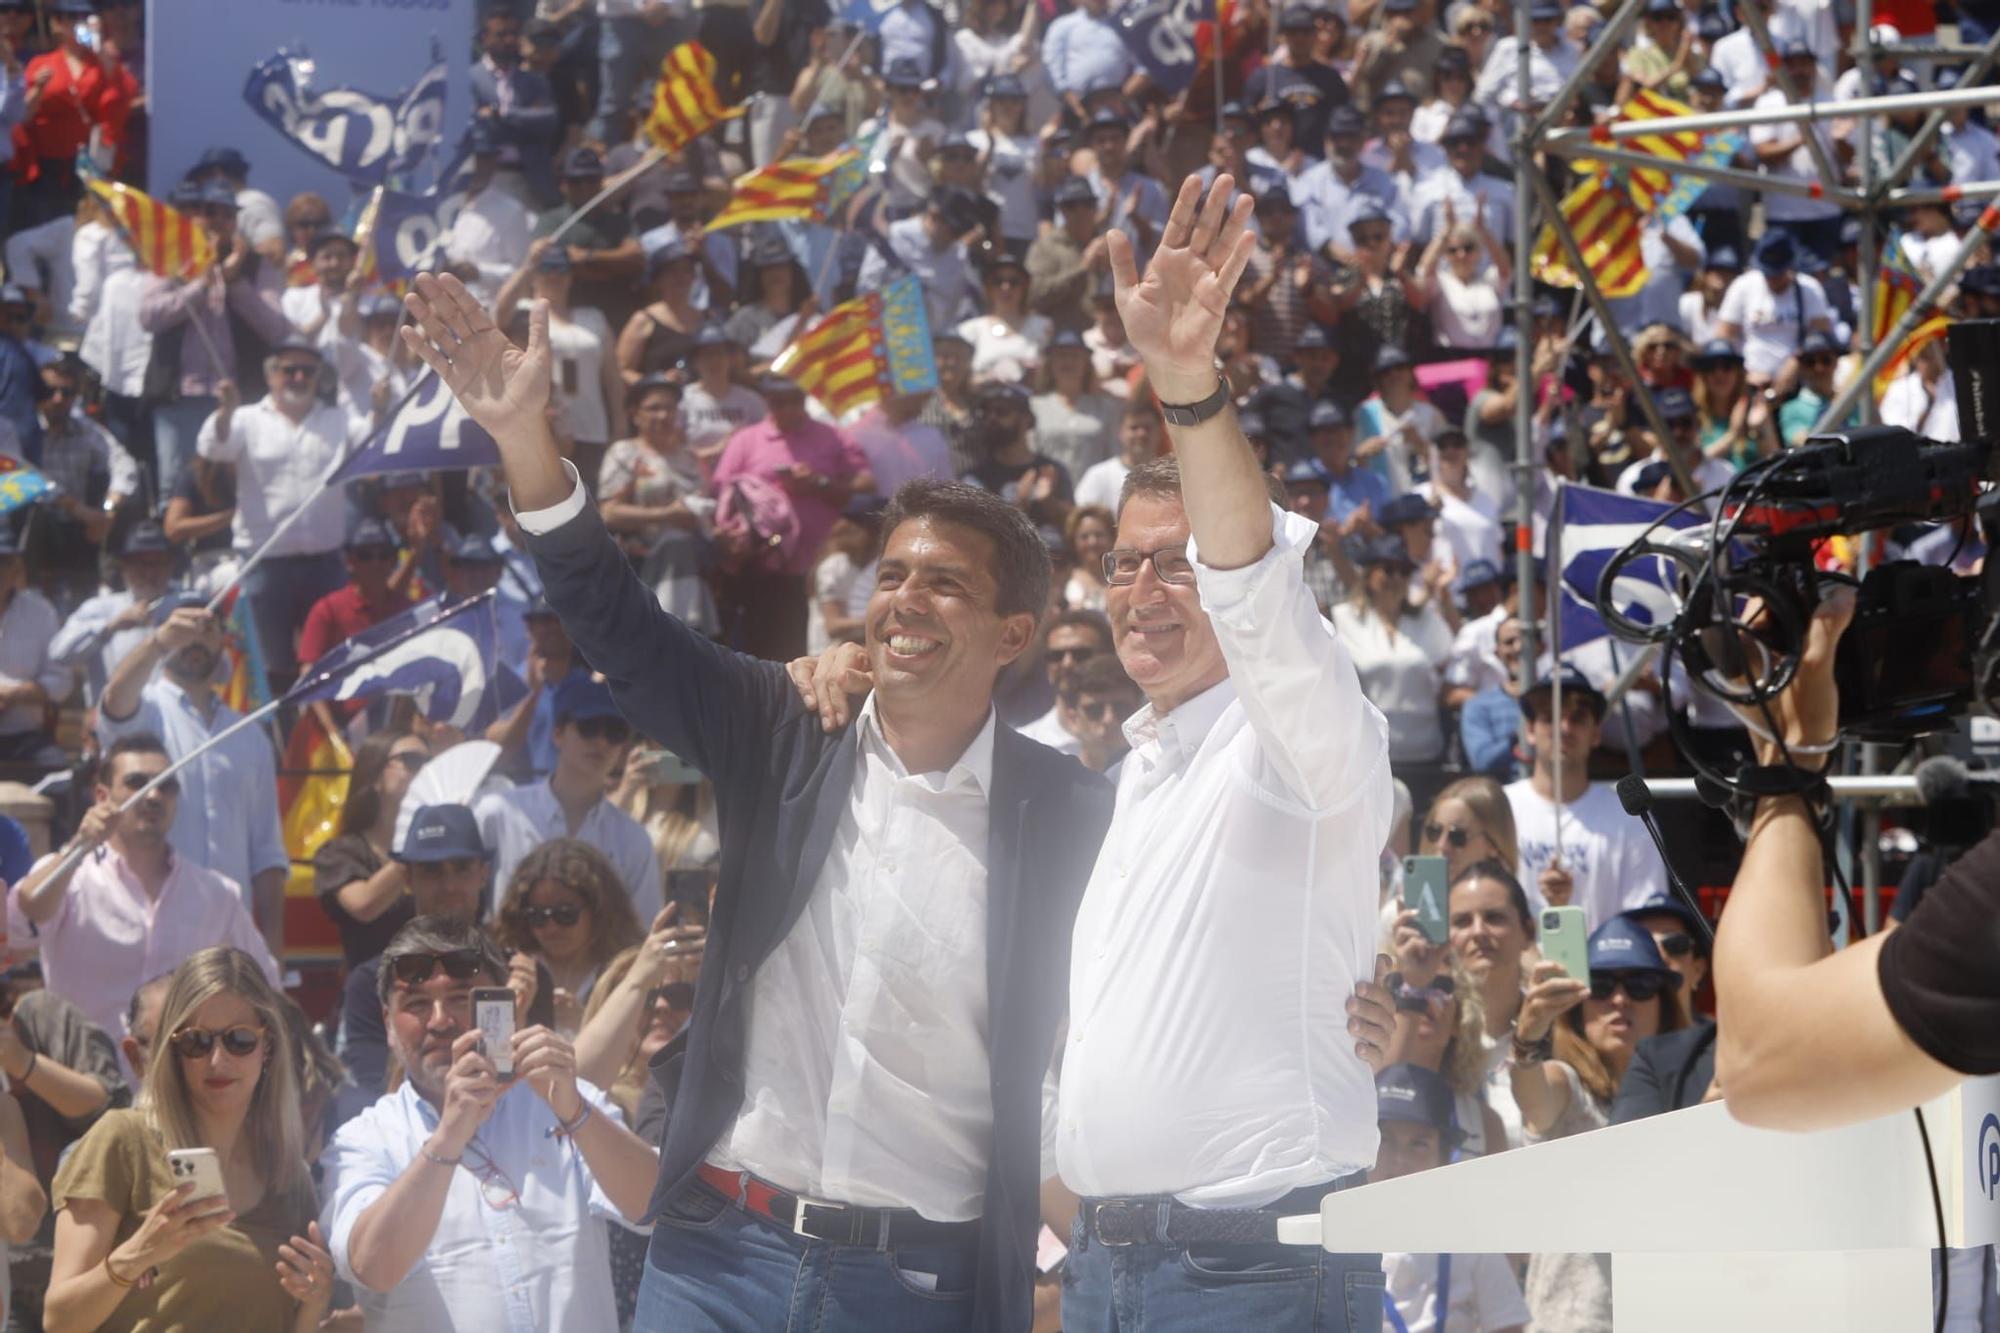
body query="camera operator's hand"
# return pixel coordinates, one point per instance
(1551, 994)
(1807, 712)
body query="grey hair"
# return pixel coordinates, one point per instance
(1162, 477)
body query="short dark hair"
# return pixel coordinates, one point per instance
(1080, 617)
(1501, 875)
(132, 742)
(1020, 559)
(1102, 674)
(434, 935)
(1162, 477)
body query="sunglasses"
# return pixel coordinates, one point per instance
(566, 914)
(414, 969)
(1103, 710)
(1121, 567)
(675, 994)
(197, 1043)
(1639, 986)
(1452, 834)
(1007, 280)
(1467, 28)
(613, 729)
(1417, 999)
(135, 781)
(298, 371)
(1058, 656)
(1677, 945)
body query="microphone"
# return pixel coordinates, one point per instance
(1637, 798)
(1943, 778)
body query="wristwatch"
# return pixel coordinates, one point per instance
(1193, 414)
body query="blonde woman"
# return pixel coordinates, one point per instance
(676, 807)
(133, 1249)
(1441, 1026)
(1469, 821)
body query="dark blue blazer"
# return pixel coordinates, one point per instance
(1669, 1072)
(781, 783)
(531, 126)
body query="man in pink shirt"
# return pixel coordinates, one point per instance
(763, 593)
(130, 909)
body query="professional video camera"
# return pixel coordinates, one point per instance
(1923, 643)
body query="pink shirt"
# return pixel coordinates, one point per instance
(108, 938)
(762, 450)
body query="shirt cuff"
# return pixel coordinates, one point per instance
(1223, 590)
(541, 522)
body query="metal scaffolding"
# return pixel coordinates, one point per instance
(1877, 193)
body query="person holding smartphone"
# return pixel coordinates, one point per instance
(135, 1250)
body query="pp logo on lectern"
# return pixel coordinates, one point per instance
(1987, 1163)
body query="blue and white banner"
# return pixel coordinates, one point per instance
(367, 138)
(410, 231)
(1160, 35)
(443, 658)
(430, 433)
(1589, 529)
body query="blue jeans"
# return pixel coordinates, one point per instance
(714, 1267)
(282, 589)
(1280, 1288)
(175, 427)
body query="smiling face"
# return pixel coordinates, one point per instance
(934, 629)
(1162, 635)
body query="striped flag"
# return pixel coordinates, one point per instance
(364, 241)
(1897, 286)
(685, 103)
(19, 484)
(1606, 226)
(248, 688)
(1649, 186)
(167, 241)
(809, 189)
(1920, 337)
(865, 349)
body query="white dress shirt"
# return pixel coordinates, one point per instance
(491, 232)
(1049, 730)
(282, 465)
(541, 1264)
(1232, 910)
(228, 817)
(865, 1068)
(86, 642)
(515, 822)
(105, 301)
(28, 626)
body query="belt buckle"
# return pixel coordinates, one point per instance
(1126, 1212)
(799, 1205)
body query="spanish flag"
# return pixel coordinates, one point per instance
(685, 104)
(1605, 222)
(1920, 337)
(874, 346)
(810, 189)
(167, 241)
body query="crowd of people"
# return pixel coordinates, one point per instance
(383, 1165)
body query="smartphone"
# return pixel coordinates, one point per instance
(666, 767)
(1425, 893)
(692, 890)
(200, 1165)
(1566, 940)
(493, 1015)
(569, 376)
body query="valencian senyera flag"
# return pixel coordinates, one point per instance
(685, 103)
(808, 189)
(1897, 286)
(1604, 221)
(875, 346)
(165, 240)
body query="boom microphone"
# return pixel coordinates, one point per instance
(1637, 798)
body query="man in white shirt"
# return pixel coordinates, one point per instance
(490, 232)
(327, 309)
(1580, 847)
(281, 447)
(932, 246)
(570, 802)
(98, 634)
(1782, 152)
(1770, 308)
(31, 679)
(1138, 440)
(1075, 636)
(463, 1202)
(1240, 868)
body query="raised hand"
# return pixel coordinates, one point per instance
(1173, 315)
(500, 386)
(305, 1269)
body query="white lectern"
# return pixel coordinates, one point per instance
(1709, 1220)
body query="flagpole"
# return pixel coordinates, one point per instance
(654, 156)
(1556, 595)
(285, 523)
(222, 368)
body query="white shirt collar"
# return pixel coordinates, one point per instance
(975, 765)
(1185, 728)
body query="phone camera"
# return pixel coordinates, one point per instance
(1551, 921)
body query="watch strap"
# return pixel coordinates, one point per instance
(1193, 414)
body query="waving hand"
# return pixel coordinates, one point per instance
(1173, 315)
(499, 385)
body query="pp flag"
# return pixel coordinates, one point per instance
(1589, 529)
(807, 189)
(444, 659)
(366, 137)
(685, 103)
(165, 240)
(429, 433)
(869, 348)
(1160, 34)
(407, 232)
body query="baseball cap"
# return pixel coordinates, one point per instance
(1623, 945)
(905, 72)
(217, 194)
(1345, 120)
(1418, 1096)
(1661, 905)
(1391, 358)
(1006, 85)
(582, 162)
(1325, 416)
(1386, 550)
(1716, 352)
(1312, 335)
(442, 833)
(145, 538)
(1308, 472)
(1675, 404)
(1296, 18)
(228, 159)
(1478, 574)
(1075, 190)
(370, 532)
(1574, 682)
(1407, 508)
(580, 698)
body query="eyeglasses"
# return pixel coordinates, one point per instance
(1170, 563)
(1058, 656)
(564, 914)
(1639, 986)
(1443, 833)
(494, 1184)
(613, 729)
(197, 1043)
(414, 969)
(1677, 945)
(675, 994)
(136, 781)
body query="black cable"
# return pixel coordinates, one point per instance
(1937, 1210)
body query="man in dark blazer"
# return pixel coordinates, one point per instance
(1669, 1072)
(517, 106)
(865, 1139)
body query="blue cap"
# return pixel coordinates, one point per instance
(1297, 18)
(1650, 477)
(1543, 10)
(582, 162)
(1308, 472)
(217, 194)
(370, 532)
(1386, 550)
(1393, 90)
(1016, 394)
(1366, 215)
(1417, 1096)
(1066, 338)
(1005, 85)
(1346, 119)
(1407, 508)
(1717, 351)
(442, 833)
(1675, 404)
(713, 335)
(227, 158)
(671, 252)
(1794, 49)
(679, 180)
(1623, 945)
(956, 141)
(580, 698)
(1816, 343)
(145, 538)
(1398, 7)
(1075, 190)
(473, 549)
(905, 72)
(1709, 77)
(1234, 110)
(175, 600)
(1724, 257)
(1464, 125)
(1391, 357)
(1110, 118)
(1479, 574)
(1662, 8)
(1665, 906)
(1312, 335)
(1325, 416)
(293, 343)
(1573, 682)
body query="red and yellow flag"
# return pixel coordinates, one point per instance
(1648, 186)
(1920, 337)
(1606, 223)
(167, 241)
(685, 104)
(810, 189)
(874, 346)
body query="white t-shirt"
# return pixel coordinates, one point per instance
(1470, 528)
(1797, 167)
(1466, 314)
(1483, 1294)
(1010, 180)
(708, 420)
(1003, 353)
(833, 581)
(1709, 473)
(1401, 676)
(582, 340)
(1100, 484)
(1931, 413)
(1773, 323)
(1930, 254)
(1605, 850)
(1696, 322)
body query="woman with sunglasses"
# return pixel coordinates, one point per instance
(1441, 1027)
(1735, 422)
(1469, 822)
(1461, 293)
(134, 1249)
(566, 908)
(364, 889)
(1007, 340)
